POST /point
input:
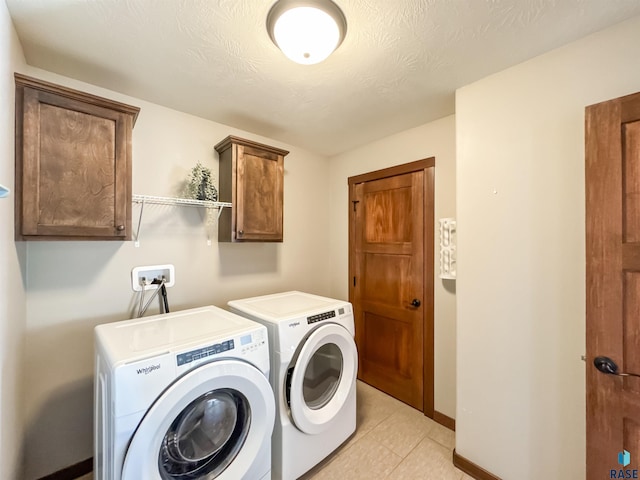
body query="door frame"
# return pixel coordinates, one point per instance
(428, 166)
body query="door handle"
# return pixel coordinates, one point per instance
(608, 366)
(415, 302)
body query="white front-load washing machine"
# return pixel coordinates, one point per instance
(314, 363)
(183, 396)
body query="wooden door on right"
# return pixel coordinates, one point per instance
(613, 287)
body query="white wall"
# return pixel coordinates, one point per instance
(435, 139)
(12, 290)
(73, 286)
(521, 256)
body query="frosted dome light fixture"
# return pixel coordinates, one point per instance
(307, 31)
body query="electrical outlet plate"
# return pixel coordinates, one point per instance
(149, 273)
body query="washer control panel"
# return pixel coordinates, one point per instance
(251, 343)
(188, 357)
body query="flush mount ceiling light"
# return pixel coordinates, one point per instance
(307, 31)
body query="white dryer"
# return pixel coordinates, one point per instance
(183, 396)
(314, 363)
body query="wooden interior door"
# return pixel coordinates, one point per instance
(391, 259)
(613, 284)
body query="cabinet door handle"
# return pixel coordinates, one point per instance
(240, 233)
(120, 228)
(415, 302)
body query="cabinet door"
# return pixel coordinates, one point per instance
(75, 168)
(259, 195)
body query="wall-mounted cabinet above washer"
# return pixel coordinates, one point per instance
(73, 164)
(252, 179)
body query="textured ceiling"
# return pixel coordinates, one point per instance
(397, 68)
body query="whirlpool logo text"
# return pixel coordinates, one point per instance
(148, 370)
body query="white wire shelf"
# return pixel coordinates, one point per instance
(181, 202)
(171, 201)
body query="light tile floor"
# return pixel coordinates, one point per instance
(392, 441)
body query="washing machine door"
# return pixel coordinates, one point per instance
(213, 422)
(319, 382)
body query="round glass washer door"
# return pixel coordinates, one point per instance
(213, 422)
(206, 437)
(322, 378)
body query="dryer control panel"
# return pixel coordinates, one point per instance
(322, 316)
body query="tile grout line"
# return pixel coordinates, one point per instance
(407, 455)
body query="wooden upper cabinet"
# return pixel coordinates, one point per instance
(73, 164)
(251, 178)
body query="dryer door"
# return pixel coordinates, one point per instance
(324, 373)
(213, 422)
